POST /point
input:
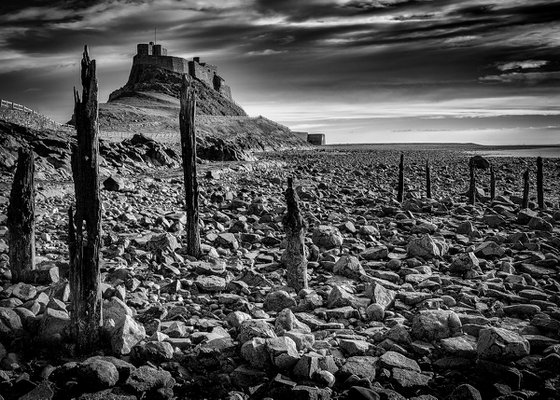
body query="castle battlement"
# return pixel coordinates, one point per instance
(156, 55)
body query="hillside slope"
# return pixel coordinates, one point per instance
(148, 104)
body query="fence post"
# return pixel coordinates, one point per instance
(400, 189)
(84, 231)
(188, 148)
(540, 183)
(525, 202)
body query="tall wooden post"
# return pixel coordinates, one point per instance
(188, 148)
(21, 217)
(472, 184)
(84, 231)
(492, 183)
(400, 189)
(540, 183)
(525, 202)
(294, 257)
(428, 181)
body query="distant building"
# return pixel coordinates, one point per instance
(301, 135)
(155, 54)
(317, 139)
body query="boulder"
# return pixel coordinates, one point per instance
(328, 237)
(349, 266)
(426, 247)
(126, 335)
(436, 324)
(278, 300)
(500, 344)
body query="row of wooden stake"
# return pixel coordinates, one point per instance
(472, 183)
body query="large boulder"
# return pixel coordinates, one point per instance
(431, 325)
(500, 344)
(126, 335)
(327, 237)
(426, 247)
(349, 266)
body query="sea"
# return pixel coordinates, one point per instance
(544, 152)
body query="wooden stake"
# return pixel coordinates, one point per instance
(540, 183)
(21, 217)
(84, 230)
(428, 181)
(492, 183)
(525, 203)
(294, 257)
(472, 184)
(188, 148)
(400, 189)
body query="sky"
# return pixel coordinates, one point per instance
(360, 71)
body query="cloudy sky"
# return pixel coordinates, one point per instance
(357, 70)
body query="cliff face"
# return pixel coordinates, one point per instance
(149, 105)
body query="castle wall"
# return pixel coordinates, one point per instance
(204, 72)
(175, 64)
(225, 91)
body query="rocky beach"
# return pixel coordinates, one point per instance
(424, 299)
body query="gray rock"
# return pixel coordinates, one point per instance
(283, 352)
(113, 183)
(392, 359)
(10, 323)
(361, 366)
(98, 374)
(465, 392)
(435, 324)
(278, 300)
(255, 328)
(327, 237)
(147, 380)
(126, 335)
(501, 345)
(349, 266)
(255, 353)
(465, 262)
(375, 253)
(426, 247)
(210, 283)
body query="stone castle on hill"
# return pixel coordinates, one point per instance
(155, 54)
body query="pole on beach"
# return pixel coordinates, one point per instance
(84, 230)
(492, 183)
(294, 257)
(21, 217)
(540, 183)
(428, 181)
(400, 189)
(525, 202)
(472, 183)
(188, 150)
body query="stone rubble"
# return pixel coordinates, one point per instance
(428, 299)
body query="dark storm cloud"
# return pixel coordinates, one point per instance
(339, 51)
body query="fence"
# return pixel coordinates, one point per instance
(39, 122)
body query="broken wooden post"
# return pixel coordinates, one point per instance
(188, 148)
(472, 184)
(525, 202)
(84, 231)
(21, 217)
(400, 189)
(294, 257)
(540, 181)
(428, 181)
(492, 183)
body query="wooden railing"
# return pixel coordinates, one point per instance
(21, 108)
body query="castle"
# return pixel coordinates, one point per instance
(155, 54)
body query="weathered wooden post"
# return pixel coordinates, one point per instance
(472, 184)
(540, 182)
(294, 257)
(21, 217)
(428, 181)
(188, 148)
(84, 232)
(525, 203)
(400, 189)
(492, 183)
